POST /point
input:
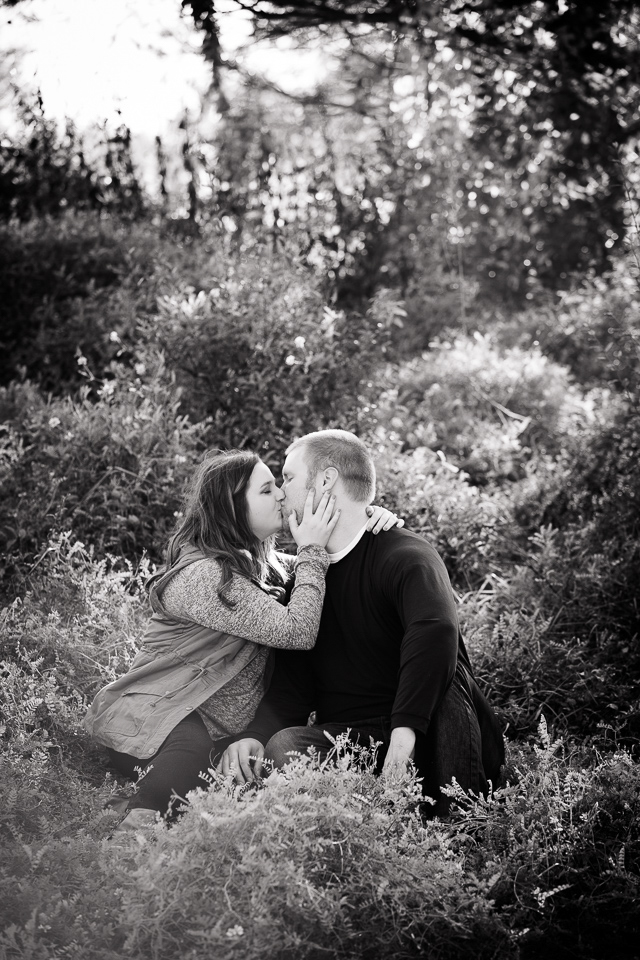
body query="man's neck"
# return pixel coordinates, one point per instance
(352, 520)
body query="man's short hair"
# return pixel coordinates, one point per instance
(344, 451)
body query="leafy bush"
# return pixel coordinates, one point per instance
(560, 847)
(261, 354)
(435, 302)
(593, 328)
(526, 669)
(597, 509)
(247, 332)
(324, 855)
(310, 866)
(60, 295)
(111, 470)
(58, 880)
(486, 408)
(76, 628)
(329, 860)
(542, 640)
(471, 528)
(525, 484)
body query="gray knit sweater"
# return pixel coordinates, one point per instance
(192, 595)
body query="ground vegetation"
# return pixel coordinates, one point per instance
(326, 265)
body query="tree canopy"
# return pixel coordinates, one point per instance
(449, 145)
(572, 62)
(544, 96)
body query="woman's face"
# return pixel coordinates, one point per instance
(263, 502)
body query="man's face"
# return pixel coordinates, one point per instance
(296, 483)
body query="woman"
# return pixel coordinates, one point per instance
(218, 610)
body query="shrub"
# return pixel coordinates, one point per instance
(435, 301)
(59, 883)
(52, 271)
(76, 628)
(539, 641)
(597, 509)
(488, 409)
(260, 353)
(247, 332)
(526, 669)
(327, 860)
(111, 469)
(593, 329)
(584, 558)
(560, 846)
(471, 528)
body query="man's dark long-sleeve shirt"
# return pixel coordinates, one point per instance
(388, 642)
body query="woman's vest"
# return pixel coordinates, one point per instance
(181, 664)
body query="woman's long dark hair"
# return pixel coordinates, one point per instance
(215, 520)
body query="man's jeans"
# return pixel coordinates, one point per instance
(451, 747)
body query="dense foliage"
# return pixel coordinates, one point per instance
(312, 863)
(181, 346)
(541, 98)
(512, 447)
(43, 172)
(435, 248)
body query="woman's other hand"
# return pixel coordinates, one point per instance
(316, 526)
(381, 519)
(242, 760)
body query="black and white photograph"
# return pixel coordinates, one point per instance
(319, 480)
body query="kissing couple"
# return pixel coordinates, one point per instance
(245, 643)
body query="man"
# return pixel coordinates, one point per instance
(389, 662)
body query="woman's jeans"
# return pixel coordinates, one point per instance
(175, 769)
(451, 747)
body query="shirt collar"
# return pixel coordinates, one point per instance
(334, 557)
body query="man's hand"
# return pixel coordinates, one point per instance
(401, 750)
(236, 760)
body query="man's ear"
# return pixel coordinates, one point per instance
(329, 479)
